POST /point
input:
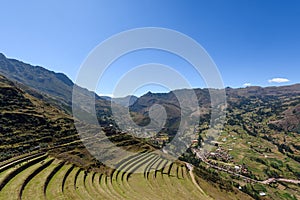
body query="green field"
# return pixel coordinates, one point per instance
(45, 177)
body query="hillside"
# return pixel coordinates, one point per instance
(42, 152)
(31, 125)
(56, 88)
(43, 157)
(57, 85)
(123, 101)
(261, 134)
(261, 137)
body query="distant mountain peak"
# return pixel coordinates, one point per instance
(149, 93)
(2, 56)
(125, 101)
(64, 79)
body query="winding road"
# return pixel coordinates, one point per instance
(266, 182)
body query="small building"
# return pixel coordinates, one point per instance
(262, 194)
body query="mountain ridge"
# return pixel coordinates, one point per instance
(260, 134)
(57, 86)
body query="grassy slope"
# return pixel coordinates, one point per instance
(22, 116)
(165, 185)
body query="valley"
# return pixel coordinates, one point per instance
(42, 156)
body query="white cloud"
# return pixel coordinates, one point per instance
(279, 80)
(247, 84)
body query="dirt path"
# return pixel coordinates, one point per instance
(190, 168)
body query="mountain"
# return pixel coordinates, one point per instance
(57, 87)
(125, 101)
(122, 101)
(257, 152)
(176, 103)
(41, 151)
(278, 97)
(29, 124)
(107, 98)
(55, 84)
(261, 133)
(36, 113)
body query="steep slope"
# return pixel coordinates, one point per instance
(123, 101)
(31, 129)
(56, 87)
(282, 101)
(42, 156)
(28, 124)
(261, 134)
(55, 84)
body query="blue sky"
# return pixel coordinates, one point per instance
(251, 41)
